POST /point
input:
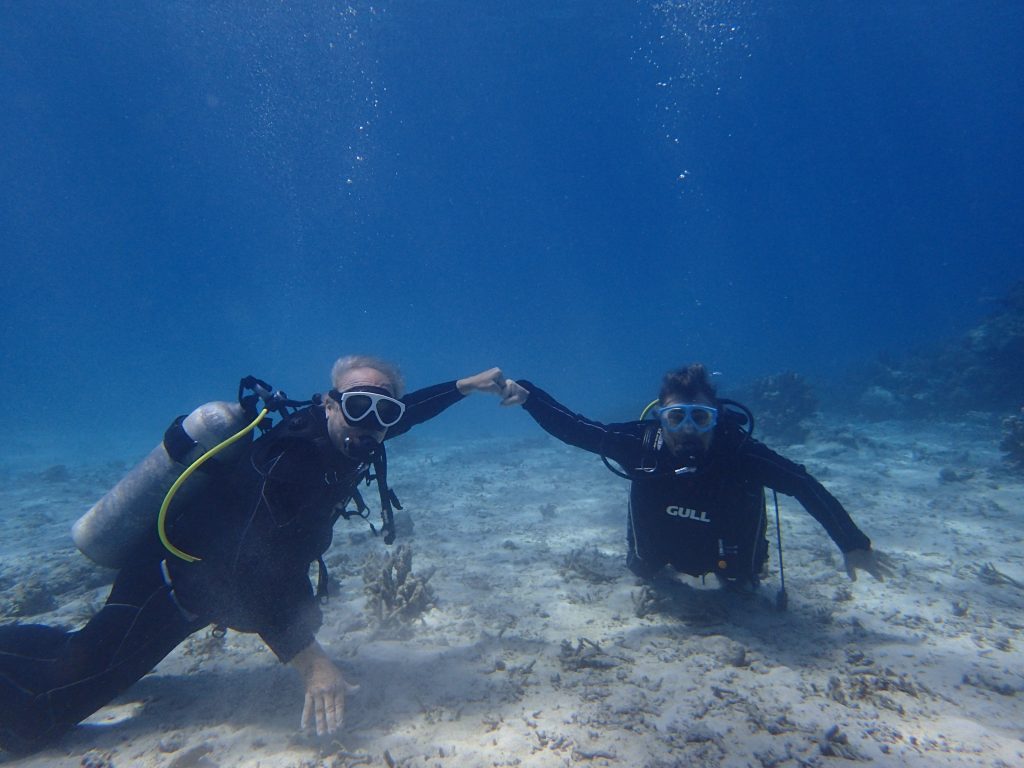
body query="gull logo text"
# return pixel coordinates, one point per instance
(692, 514)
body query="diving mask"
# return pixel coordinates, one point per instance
(702, 418)
(370, 408)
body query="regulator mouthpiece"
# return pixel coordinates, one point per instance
(360, 447)
(692, 457)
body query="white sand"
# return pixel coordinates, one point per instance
(922, 670)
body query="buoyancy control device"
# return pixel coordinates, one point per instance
(739, 417)
(113, 527)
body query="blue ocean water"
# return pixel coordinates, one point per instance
(585, 193)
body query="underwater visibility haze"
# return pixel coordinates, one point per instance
(821, 201)
(586, 193)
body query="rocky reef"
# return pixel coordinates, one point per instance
(981, 370)
(1013, 440)
(783, 405)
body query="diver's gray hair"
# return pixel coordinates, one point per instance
(350, 362)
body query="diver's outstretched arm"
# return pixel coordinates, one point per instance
(620, 442)
(424, 404)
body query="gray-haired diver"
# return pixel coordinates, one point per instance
(235, 552)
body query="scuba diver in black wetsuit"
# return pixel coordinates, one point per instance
(237, 555)
(698, 478)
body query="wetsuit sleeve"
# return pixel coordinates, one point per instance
(423, 405)
(293, 619)
(794, 480)
(623, 443)
(274, 598)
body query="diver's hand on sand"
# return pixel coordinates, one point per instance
(491, 381)
(513, 394)
(875, 563)
(324, 709)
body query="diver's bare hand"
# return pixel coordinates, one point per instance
(875, 563)
(491, 381)
(324, 708)
(513, 393)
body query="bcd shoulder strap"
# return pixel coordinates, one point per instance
(388, 503)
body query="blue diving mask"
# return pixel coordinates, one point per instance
(702, 418)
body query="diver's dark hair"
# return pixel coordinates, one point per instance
(687, 384)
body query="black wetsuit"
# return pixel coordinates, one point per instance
(711, 520)
(257, 527)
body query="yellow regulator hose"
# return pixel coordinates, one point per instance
(161, 519)
(645, 411)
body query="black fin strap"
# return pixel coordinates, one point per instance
(321, 581)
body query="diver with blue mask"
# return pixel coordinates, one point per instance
(234, 551)
(697, 482)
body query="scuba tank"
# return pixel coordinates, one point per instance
(109, 531)
(114, 526)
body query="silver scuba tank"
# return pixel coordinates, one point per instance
(115, 524)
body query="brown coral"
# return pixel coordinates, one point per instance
(396, 597)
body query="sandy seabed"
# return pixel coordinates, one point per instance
(543, 650)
